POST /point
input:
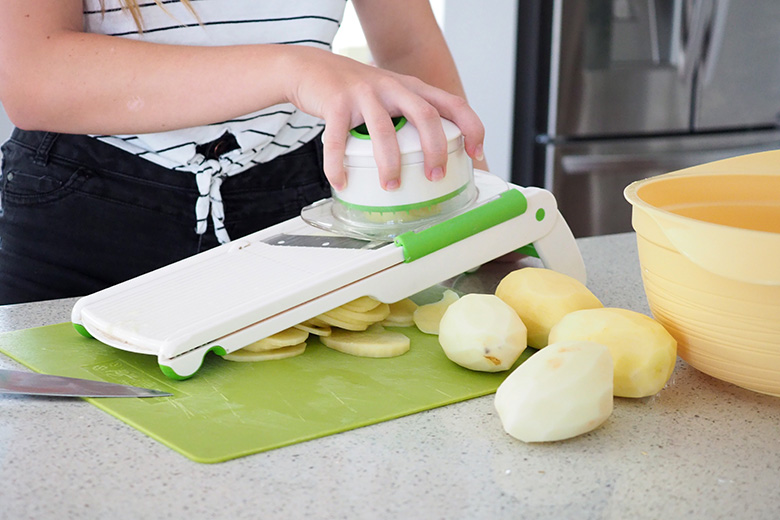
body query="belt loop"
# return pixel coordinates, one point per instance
(42, 153)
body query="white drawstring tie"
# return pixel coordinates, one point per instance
(209, 180)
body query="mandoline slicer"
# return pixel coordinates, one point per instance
(226, 298)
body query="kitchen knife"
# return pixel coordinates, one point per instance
(31, 383)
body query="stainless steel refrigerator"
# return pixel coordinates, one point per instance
(611, 91)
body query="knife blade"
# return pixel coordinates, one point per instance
(32, 383)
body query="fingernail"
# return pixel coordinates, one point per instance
(339, 186)
(479, 153)
(392, 185)
(437, 174)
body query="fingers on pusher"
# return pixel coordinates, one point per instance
(333, 164)
(333, 150)
(474, 136)
(459, 112)
(474, 144)
(388, 162)
(335, 174)
(478, 152)
(387, 154)
(337, 177)
(435, 153)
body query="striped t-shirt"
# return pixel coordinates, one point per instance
(262, 135)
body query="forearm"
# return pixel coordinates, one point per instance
(430, 60)
(88, 83)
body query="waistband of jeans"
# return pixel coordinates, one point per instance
(92, 153)
(96, 155)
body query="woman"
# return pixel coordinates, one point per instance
(149, 132)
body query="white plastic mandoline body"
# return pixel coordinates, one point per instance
(246, 290)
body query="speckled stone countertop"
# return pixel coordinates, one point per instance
(701, 448)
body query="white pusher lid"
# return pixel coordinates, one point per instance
(364, 192)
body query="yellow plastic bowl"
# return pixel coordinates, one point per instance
(709, 248)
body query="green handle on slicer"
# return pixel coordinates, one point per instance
(417, 244)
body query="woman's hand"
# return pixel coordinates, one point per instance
(346, 93)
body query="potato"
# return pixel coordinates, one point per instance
(560, 392)
(428, 316)
(315, 322)
(318, 328)
(362, 304)
(401, 314)
(343, 324)
(643, 351)
(374, 342)
(374, 315)
(266, 355)
(541, 297)
(481, 332)
(285, 338)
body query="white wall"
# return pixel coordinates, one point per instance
(482, 38)
(350, 41)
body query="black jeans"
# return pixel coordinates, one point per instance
(79, 215)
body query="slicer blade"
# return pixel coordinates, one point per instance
(333, 242)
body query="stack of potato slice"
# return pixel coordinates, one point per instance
(356, 328)
(287, 343)
(356, 315)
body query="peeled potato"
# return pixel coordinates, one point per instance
(481, 332)
(643, 351)
(285, 338)
(427, 317)
(318, 328)
(316, 322)
(560, 392)
(374, 315)
(342, 324)
(362, 304)
(266, 355)
(401, 314)
(376, 342)
(541, 297)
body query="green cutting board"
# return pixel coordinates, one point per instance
(228, 409)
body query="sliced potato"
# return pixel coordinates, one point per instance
(316, 322)
(560, 392)
(376, 342)
(643, 351)
(362, 304)
(374, 315)
(401, 314)
(541, 297)
(481, 332)
(427, 317)
(266, 355)
(285, 338)
(318, 328)
(343, 324)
